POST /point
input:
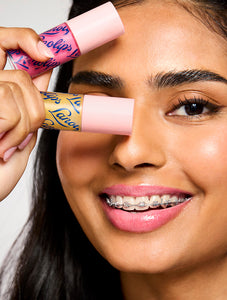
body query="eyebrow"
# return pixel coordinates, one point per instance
(171, 79)
(160, 80)
(98, 79)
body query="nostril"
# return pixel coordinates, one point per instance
(143, 165)
(117, 165)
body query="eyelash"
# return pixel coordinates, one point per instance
(212, 108)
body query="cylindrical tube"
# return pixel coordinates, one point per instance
(90, 113)
(72, 38)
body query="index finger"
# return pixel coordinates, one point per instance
(24, 38)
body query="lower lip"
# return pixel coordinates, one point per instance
(140, 222)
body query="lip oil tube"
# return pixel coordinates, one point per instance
(90, 113)
(72, 38)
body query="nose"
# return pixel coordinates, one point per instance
(145, 147)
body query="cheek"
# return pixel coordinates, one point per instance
(203, 156)
(81, 162)
(80, 157)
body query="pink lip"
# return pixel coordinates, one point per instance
(142, 221)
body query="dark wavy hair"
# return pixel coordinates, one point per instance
(57, 261)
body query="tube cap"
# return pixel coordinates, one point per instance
(96, 27)
(107, 115)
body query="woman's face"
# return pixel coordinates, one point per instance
(177, 152)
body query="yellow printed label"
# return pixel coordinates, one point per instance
(63, 111)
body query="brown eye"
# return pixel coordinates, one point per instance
(193, 107)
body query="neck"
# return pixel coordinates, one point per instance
(204, 282)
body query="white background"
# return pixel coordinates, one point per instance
(40, 15)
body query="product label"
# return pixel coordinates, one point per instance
(61, 43)
(63, 111)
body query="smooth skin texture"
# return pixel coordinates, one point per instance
(185, 258)
(21, 106)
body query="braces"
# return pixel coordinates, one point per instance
(142, 204)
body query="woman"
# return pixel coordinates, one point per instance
(152, 205)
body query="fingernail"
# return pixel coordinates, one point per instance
(25, 141)
(9, 153)
(44, 50)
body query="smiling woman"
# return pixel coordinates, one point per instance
(139, 216)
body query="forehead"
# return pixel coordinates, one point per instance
(160, 36)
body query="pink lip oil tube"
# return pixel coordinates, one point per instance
(72, 38)
(90, 113)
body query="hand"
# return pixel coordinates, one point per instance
(21, 106)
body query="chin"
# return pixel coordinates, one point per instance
(134, 253)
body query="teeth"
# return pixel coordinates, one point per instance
(155, 201)
(143, 203)
(175, 200)
(165, 201)
(128, 203)
(116, 201)
(119, 201)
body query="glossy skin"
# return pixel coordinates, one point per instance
(167, 148)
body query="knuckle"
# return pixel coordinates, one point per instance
(26, 31)
(23, 33)
(5, 90)
(8, 91)
(9, 108)
(15, 34)
(14, 118)
(29, 34)
(22, 77)
(37, 119)
(38, 114)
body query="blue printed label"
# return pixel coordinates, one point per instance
(61, 43)
(63, 111)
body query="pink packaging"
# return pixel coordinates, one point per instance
(72, 38)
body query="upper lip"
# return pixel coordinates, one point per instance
(143, 190)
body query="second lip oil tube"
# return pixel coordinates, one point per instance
(90, 113)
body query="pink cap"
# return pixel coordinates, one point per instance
(107, 115)
(96, 27)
